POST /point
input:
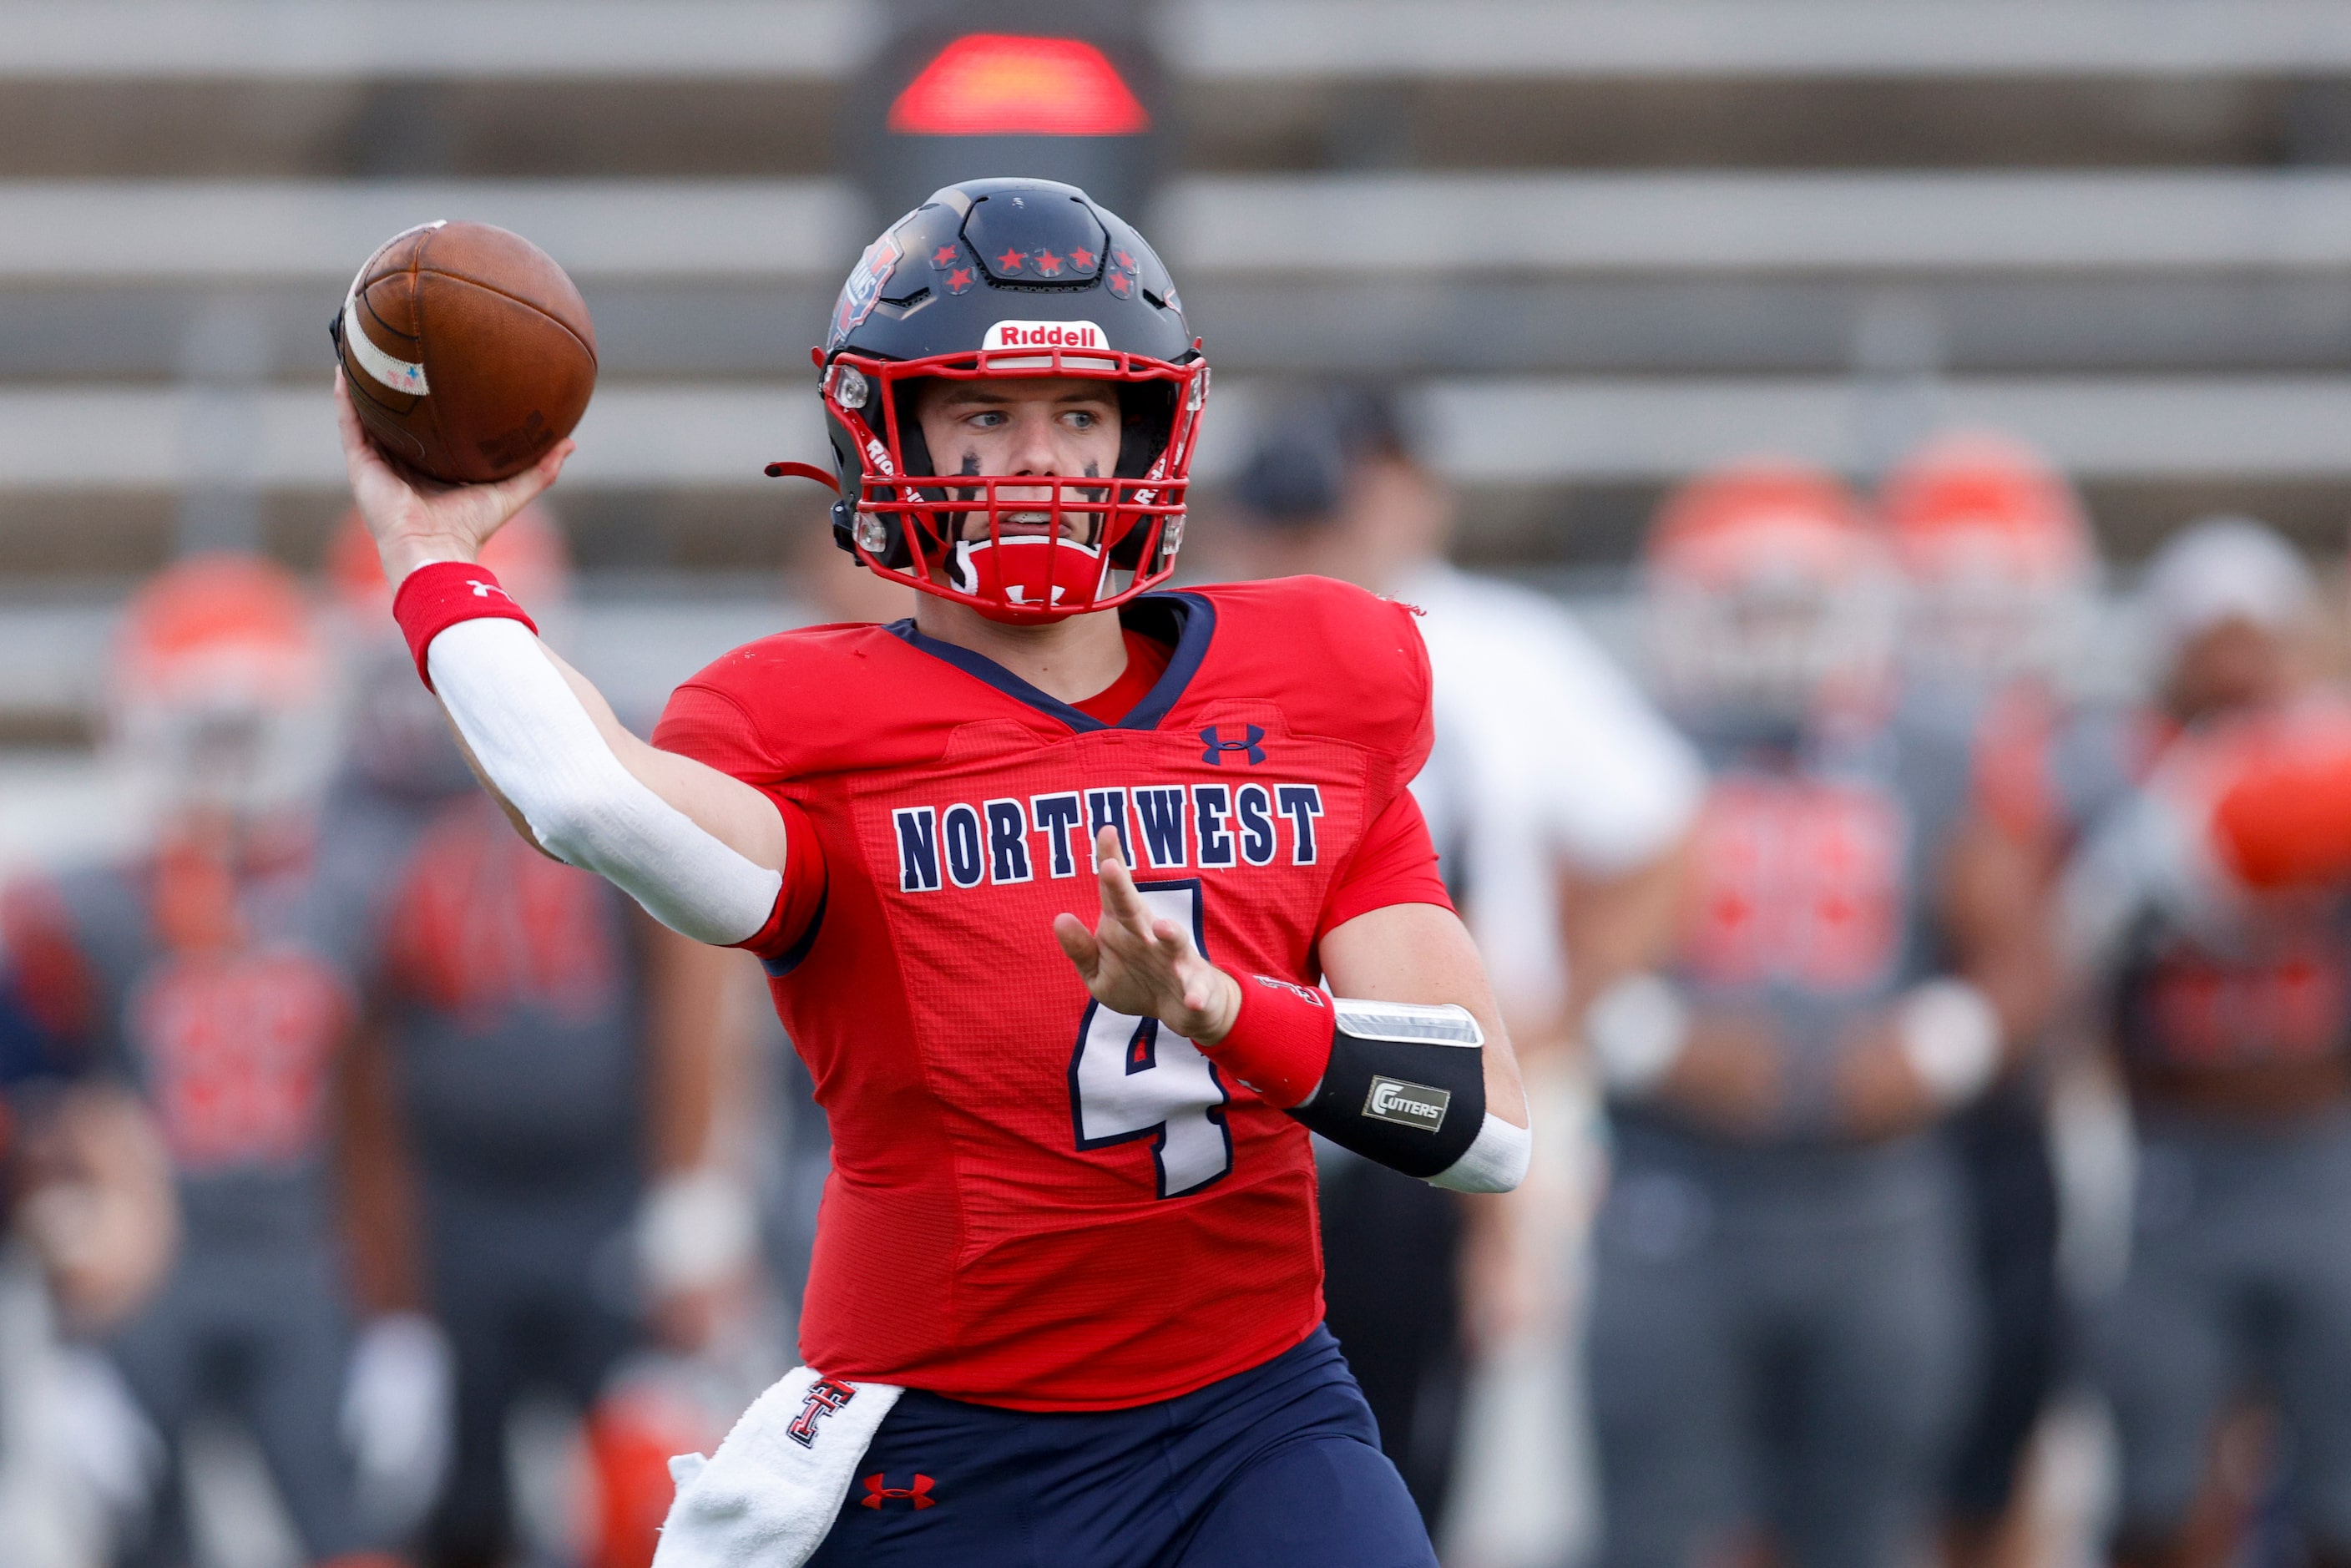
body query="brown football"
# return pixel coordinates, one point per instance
(467, 351)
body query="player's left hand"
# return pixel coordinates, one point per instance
(1142, 967)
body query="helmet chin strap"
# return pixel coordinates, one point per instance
(1035, 576)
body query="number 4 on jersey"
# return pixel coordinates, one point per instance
(1135, 1078)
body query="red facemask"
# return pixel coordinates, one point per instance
(1094, 544)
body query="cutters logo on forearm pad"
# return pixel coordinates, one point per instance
(1406, 1086)
(1408, 1104)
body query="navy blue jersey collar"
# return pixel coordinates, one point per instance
(1186, 620)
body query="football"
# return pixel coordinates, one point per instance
(467, 351)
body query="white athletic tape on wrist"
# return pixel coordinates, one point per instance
(1496, 1162)
(538, 744)
(1950, 1034)
(1636, 1030)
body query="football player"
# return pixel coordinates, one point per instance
(1778, 1325)
(1997, 566)
(1045, 877)
(533, 1049)
(2212, 912)
(211, 972)
(85, 1183)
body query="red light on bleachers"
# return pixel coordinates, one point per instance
(994, 84)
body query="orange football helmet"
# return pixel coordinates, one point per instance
(220, 692)
(1996, 555)
(1767, 591)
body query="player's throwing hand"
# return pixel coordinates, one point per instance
(415, 519)
(1142, 967)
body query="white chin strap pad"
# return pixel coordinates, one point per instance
(527, 729)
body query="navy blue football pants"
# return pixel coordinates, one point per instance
(1279, 1467)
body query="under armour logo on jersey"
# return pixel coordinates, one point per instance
(919, 1494)
(1215, 755)
(824, 1396)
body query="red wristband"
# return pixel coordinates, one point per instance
(436, 596)
(1280, 1044)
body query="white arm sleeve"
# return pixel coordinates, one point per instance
(538, 744)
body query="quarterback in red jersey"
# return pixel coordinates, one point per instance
(1049, 878)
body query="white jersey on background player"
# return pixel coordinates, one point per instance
(1548, 759)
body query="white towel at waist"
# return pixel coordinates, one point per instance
(770, 1493)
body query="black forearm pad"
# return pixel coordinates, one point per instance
(1406, 1086)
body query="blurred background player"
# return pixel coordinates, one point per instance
(1998, 571)
(1780, 1323)
(1557, 800)
(534, 1132)
(2211, 911)
(213, 972)
(86, 1191)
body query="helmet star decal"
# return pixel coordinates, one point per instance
(1048, 265)
(1011, 261)
(943, 257)
(1082, 258)
(1121, 283)
(959, 280)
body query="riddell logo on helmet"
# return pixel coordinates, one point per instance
(1044, 335)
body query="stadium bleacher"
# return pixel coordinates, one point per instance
(1605, 242)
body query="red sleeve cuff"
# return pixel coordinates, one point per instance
(436, 596)
(793, 925)
(1280, 1044)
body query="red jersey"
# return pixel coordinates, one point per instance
(1034, 1202)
